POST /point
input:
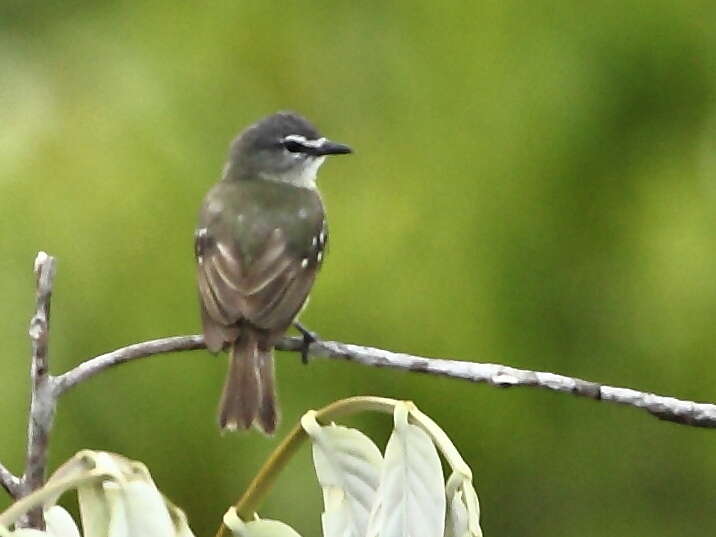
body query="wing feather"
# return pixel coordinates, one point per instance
(269, 292)
(228, 299)
(280, 312)
(215, 334)
(209, 299)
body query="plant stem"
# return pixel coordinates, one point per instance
(258, 488)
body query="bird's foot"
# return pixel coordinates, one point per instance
(308, 338)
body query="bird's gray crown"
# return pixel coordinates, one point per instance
(282, 147)
(270, 130)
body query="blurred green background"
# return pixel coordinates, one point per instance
(534, 184)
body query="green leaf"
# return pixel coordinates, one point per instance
(348, 466)
(411, 500)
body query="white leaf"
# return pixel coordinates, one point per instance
(59, 523)
(184, 530)
(94, 504)
(27, 532)
(146, 511)
(336, 522)
(94, 510)
(136, 508)
(456, 525)
(269, 528)
(118, 520)
(181, 525)
(411, 499)
(117, 498)
(232, 521)
(348, 466)
(463, 518)
(67, 475)
(257, 528)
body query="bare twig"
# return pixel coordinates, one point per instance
(43, 401)
(9, 482)
(90, 368)
(667, 408)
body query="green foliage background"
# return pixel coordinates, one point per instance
(534, 184)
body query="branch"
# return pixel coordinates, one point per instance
(90, 368)
(666, 408)
(9, 482)
(46, 389)
(501, 376)
(43, 401)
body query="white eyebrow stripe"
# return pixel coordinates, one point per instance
(300, 139)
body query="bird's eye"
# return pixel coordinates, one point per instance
(293, 146)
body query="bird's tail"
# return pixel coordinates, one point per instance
(249, 397)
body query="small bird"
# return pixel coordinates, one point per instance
(260, 241)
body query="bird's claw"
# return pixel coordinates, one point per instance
(308, 338)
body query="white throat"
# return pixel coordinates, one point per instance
(303, 176)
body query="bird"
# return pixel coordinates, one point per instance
(260, 241)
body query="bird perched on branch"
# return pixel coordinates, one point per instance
(259, 244)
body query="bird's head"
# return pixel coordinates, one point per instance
(282, 147)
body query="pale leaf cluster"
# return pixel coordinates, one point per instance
(401, 493)
(117, 498)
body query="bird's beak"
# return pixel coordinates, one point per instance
(332, 148)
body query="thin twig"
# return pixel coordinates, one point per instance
(90, 368)
(666, 408)
(9, 482)
(502, 376)
(43, 401)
